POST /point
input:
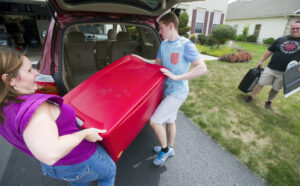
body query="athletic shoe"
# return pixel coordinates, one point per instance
(248, 99)
(163, 156)
(268, 104)
(157, 149)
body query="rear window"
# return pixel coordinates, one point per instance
(145, 4)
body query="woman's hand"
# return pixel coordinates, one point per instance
(92, 134)
(169, 74)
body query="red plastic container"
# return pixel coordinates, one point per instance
(121, 99)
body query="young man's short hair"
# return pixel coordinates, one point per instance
(169, 18)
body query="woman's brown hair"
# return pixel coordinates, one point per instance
(10, 63)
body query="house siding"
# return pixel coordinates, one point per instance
(270, 27)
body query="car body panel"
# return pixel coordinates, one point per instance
(291, 80)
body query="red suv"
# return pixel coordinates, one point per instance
(85, 36)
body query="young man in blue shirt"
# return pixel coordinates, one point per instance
(175, 53)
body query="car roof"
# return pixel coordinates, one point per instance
(137, 7)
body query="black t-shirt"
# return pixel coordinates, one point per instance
(285, 49)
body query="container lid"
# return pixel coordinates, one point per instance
(111, 94)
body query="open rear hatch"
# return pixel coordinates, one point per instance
(137, 7)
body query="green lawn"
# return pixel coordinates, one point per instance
(267, 141)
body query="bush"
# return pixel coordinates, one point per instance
(202, 39)
(246, 31)
(222, 33)
(252, 38)
(186, 35)
(240, 37)
(193, 38)
(182, 25)
(183, 20)
(269, 41)
(215, 50)
(244, 35)
(183, 31)
(211, 41)
(240, 56)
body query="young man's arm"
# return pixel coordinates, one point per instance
(199, 69)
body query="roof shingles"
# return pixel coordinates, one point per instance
(244, 9)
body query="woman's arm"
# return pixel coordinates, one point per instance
(42, 139)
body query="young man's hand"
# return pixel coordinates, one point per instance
(169, 74)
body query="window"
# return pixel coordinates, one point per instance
(199, 21)
(133, 32)
(217, 19)
(257, 29)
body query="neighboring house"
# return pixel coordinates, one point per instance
(204, 15)
(266, 18)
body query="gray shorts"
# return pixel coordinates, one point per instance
(166, 112)
(271, 77)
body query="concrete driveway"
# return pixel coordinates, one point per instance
(198, 161)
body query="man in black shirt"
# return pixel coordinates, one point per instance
(284, 50)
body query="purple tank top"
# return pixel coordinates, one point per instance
(19, 114)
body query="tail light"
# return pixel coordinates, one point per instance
(46, 85)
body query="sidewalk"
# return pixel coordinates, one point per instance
(208, 58)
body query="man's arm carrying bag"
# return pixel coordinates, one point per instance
(250, 79)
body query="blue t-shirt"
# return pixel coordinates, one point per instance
(177, 57)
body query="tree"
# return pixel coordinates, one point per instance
(182, 26)
(222, 33)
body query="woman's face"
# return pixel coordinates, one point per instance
(25, 82)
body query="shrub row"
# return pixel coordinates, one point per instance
(250, 38)
(269, 41)
(202, 39)
(220, 34)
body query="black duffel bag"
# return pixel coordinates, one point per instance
(250, 79)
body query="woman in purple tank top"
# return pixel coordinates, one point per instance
(45, 128)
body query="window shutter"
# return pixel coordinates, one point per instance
(205, 22)
(222, 19)
(211, 22)
(193, 21)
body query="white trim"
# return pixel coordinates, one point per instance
(292, 92)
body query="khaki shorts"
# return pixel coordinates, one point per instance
(166, 112)
(271, 77)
